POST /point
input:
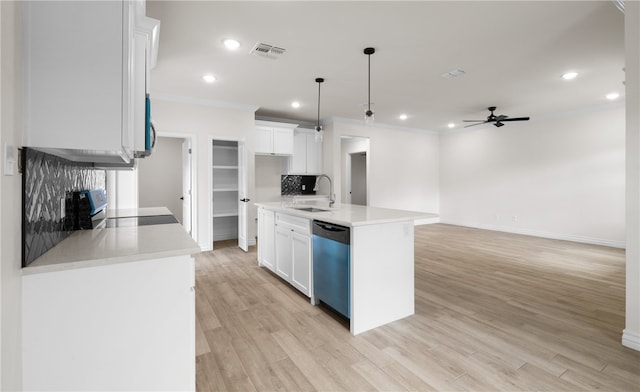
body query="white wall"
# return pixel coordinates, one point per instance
(560, 177)
(403, 164)
(173, 115)
(11, 202)
(631, 335)
(160, 177)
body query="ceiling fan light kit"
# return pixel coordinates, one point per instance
(368, 114)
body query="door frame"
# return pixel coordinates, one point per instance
(191, 139)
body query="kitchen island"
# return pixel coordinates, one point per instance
(381, 270)
(112, 309)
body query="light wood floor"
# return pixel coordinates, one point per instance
(494, 312)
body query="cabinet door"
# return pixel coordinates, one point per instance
(282, 141)
(284, 262)
(314, 155)
(76, 89)
(264, 140)
(299, 157)
(301, 275)
(266, 239)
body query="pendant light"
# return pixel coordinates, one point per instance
(318, 126)
(368, 114)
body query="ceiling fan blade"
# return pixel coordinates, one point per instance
(472, 125)
(516, 119)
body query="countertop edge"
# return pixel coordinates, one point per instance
(406, 215)
(78, 264)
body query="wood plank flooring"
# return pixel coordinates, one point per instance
(494, 312)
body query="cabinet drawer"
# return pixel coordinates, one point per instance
(299, 225)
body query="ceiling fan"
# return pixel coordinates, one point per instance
(497, 120)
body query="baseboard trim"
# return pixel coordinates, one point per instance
(631, 340)
(543, 234)
(426, 221)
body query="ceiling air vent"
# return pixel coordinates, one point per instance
(268, 51)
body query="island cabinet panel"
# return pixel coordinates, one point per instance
(266, 239)
(284, 252)
(301, 274)
(126, 326)
(382, 274)
(288, 240)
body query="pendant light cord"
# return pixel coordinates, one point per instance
(369, 83)
(318, 123)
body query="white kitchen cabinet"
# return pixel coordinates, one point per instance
(83, 98)
(267, 239)
(123, 326)
(273, 138)
(301, 274)
(293, 251)
(307, 153)
(284, 252)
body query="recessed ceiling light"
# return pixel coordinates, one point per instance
(295, 104)
(451, 125)
(403, 116)
(569, 75)
(612, 96)
(209, 78)
(231, 44)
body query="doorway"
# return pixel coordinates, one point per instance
(354, 162)
(172, 162)
(229, 202)
(358, 177)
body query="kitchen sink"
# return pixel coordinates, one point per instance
(311, 209)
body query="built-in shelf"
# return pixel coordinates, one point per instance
(225, 167)
(222, 214)
(225, 192)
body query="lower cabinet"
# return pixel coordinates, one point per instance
(290, 237)
(125, 326)
(267, 239)
(301, 274)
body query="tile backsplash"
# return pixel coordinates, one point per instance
(297, 185)
(46, 181)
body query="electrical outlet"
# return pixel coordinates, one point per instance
(514, 218)
(9, 160)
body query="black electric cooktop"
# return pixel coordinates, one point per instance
(133, 221)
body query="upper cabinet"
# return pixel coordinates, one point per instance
(86, 76)
(274, 138)
(307, 153)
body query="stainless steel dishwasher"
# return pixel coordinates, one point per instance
(331, 266)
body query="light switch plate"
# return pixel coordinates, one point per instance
(10, 154)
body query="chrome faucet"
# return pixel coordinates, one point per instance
(332, 196)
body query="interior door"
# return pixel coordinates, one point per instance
(243, 202)
(186, 185)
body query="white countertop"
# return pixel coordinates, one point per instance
(348, 214)
(90, 248)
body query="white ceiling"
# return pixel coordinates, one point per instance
(513, 53)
